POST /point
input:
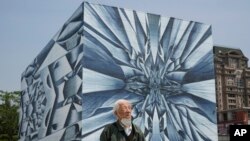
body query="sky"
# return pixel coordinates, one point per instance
(26, 26)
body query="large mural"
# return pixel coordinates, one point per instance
(163, 65)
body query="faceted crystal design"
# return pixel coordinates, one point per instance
(163, 65)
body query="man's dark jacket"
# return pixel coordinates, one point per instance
(115, 132)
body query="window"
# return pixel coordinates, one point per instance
(233, 115)
(239, 82)
(248, 113)
(232, 101)
(231, 95)
(224, 116)
(232, 106)
(232, 62)
(230, 80)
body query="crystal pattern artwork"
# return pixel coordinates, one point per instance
(163, 65)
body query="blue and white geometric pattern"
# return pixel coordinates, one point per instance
(163, 65)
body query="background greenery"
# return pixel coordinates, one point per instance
(9, 115)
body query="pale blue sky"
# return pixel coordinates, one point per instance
(26, 26)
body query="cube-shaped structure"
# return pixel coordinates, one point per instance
(163, 65)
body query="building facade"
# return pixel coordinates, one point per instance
(232, 87)
(163, 65)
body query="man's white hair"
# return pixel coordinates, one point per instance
(118, 103)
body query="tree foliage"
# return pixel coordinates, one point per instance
(9, 105)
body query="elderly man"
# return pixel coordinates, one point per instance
(123, 129)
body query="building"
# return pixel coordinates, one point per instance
(163, 65)
(232, 87)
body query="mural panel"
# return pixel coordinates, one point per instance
(51, 105)
(163, 65)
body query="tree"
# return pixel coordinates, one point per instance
(9, 105)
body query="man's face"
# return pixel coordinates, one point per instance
(124, 111)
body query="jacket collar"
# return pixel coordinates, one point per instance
(119, 126)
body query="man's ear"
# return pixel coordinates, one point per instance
(116, 114)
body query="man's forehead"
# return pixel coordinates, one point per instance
(124, 103)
